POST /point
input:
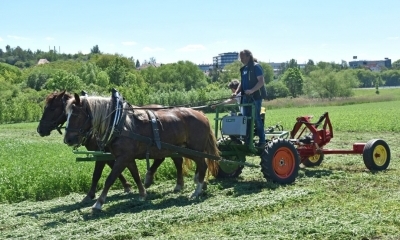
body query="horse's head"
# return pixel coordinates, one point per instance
(54, 113)
(79, 122)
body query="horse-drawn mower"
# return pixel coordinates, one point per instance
(286, 150)
(282, 154)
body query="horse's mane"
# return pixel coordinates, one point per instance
(100, 109)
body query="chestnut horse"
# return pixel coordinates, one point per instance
(183, 127)
(54, 116)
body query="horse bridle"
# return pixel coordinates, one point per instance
(85, 134)
(55, 125)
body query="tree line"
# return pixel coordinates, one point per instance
(24, 84)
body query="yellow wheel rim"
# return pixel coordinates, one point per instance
(315, 158)
(379, 155)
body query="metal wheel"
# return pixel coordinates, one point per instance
(280, 161)
(376, 155)
(313, 161)
(231, 170)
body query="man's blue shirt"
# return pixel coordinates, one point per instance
(245, 78)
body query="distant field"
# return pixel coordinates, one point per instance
(387, 91)
(360, 96)
(365, 117)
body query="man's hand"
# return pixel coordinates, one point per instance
(248, 92)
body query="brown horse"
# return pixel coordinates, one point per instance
(54, 116)
(183, 127)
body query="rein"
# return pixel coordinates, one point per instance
(176, 106)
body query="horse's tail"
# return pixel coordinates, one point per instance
(212, 149)
(186, 166)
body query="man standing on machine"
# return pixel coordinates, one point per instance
(253, 90)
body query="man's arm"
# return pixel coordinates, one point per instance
(237, 90)
(260, 83)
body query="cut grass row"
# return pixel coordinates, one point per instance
(338, 200)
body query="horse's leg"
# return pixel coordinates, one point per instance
(136, 176)
(201, 168)
(119, 165)
(150, 173)
(98, 169)
(127, 186)
(178, 161)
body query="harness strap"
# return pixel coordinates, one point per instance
(154, 126)
(171, 147)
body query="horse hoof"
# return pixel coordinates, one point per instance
(178, 188)
(194, 195)
(204, 186)
(147, 184)
(96, 206)
(127, 189)
(142, 198)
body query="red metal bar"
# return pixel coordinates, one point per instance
(308, 146)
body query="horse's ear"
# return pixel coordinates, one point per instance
(77, 99)
(59, 96)
(62, 93)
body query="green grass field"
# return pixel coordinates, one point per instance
(41, 186)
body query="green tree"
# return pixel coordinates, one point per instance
(293, 80)
(396, 65)
(137, 63)
(276, 89)
(366, 77)
(268, 72)
(37, 79)
(183, 75)
(104, 61)
(63, 80)
(391, 77)
(116, 71)
(310, 66)
(95, 50)
(10, 73)
(230, 71)
(327, 83)
(88, 72)
(103, 79)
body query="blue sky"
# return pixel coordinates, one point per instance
(169, 31)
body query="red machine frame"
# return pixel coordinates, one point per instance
(309, 145)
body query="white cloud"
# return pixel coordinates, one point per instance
(148, 49)
(192, 48)
(393, 38)
(129, 43)
(17, 37)
(1, 39)
(49, 38)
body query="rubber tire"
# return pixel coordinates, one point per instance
(312, 163)
(370, 157)
(275, 149)
(235, 172)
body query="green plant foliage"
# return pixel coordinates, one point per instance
(277, 89)
(293, 80)
(325, 83)
(63, 80)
